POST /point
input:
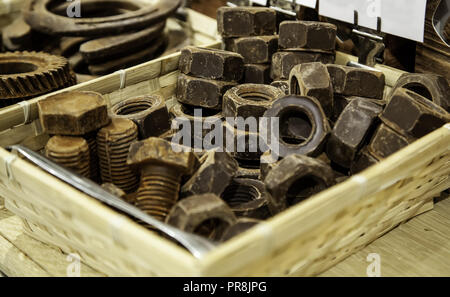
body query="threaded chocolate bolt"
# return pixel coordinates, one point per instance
(70, 152)
(113, 145)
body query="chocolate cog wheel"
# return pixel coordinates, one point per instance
(24, 75)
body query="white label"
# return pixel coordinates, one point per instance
(404, 18)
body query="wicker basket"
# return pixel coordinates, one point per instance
(305, 240)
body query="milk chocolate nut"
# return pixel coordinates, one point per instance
(211, 64)
(353, 81)
(73, 113)
(247, 198)
(363, 161)
(246, 21)
(283, 62)
(283, 85)
(307, 35)
(413, 114)
(312, 120)
(249, 100)
(242, 225)
(213, 176)
(149, 113)
(313, 79)
(296, 178)
(257, 74)
(351, 130)
(386, 142)
(196, 214)
(201, 92)
(431, 86)
(257, 49)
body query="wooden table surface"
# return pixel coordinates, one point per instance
(420, 247)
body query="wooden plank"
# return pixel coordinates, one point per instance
(43, 259)
(420, 247)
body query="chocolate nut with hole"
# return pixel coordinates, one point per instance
(201, 92)
(313, 79)
(247, 198)
(360, 82)
(431, 86)
(296, 178)
(246, 21)
(73, 113)
(242, 225)
(211, 64)
(256, 49)
(353, 127)
(283, 85)
(413, 114)
(283, 62)
(307, 35)
(306, 112)
(257, 74)
(386, 141)
(149, 113)
(205, 215)
(249, 100)
(363, 161)
(214, 175)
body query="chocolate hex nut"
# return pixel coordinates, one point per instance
(313, 79)
(257, 74)
(256, 49)
(246, 21)
(283, 62)
(413, 114)
(386, 141)
(360, 82)
(149, 113)
(307, 35)
(296, 178)
(211, 64)
(310, 115)
(363, 161)
(214, 175)
(73, 113)
(342, 101)
(351, 130)
(191, 213)
(431, 86)
(201, 92)
(249, 100)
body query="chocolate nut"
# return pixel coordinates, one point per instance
(73, 113)
(214, 175)
(246, 21)
(211, 64)
(242, 225)
(341, 102)
(353, 81)
(149, 113)
(248, 172)
(201, 92)
(283, 62)
(296, 178)
(247, 198)
(256, 49)
(249, 100)
(363, 161)
(313, 79)
(413, 114)
(351, 130)
(431, 86)
(307, 35)
(386, 142)
(257, 74)
(283, 85)
(205, 215)
(310, 115)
